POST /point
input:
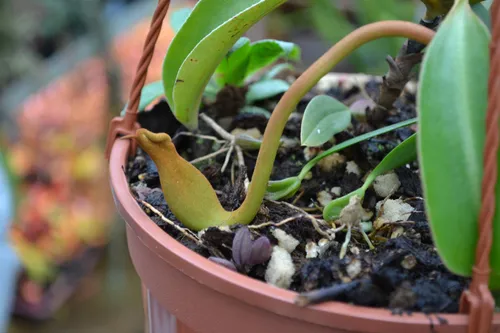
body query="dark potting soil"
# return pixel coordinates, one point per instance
(403, 272)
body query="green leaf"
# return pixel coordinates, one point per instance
(239, 43)
(178, 18)
(282, 189)
(483, 14)
(275, 70)
(245, 59)
(323, 118)
(149, 93)
(285, 188)
(452, 104)
(233, 68)
(201, 44)
(265, 89)
(266, 52)
(403, 154)
(255, 110)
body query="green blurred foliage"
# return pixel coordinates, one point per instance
(33, 30)
(332, 20)
(16, 55)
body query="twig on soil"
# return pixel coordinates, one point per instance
(339, 228)
(400, 222)
(310, 209)
(209, 156)
(297, 198)
(275, 224)
(367, 239)
(343, 249)
(226, 161)
(381, 211)
(200, 136)
(216, 127)
(231, 139)
(232, 172)
(325, 294)
(186, 232)
(330, 234)
(413, 198)
(241, 164)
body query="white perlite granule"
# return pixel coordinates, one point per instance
(280, 269)
(385, 185)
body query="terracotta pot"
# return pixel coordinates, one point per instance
(184, 292)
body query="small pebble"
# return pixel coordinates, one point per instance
(352, 167)
(409, 262)
(323, 245)
(289, 143)
(337, 191)
(395, 210)
(385, 185)
(310, 153)
(312, 250)
(252, 132)
(324, 198)
(398, 231)
(354, 268)
(280, 269)
(285, 240)
(330, 162)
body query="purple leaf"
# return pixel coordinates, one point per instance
(242, 247)
(261, 251)
(223, 262)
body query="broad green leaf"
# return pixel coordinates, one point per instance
(239, 43)
(282, 189)
(323, 118)
(275, 70)
(178, 18)
(256, 110)
(266, 52)
(265, 89)
(403, 154)
(483, 14)
(197, 49)
(233, 67)
(149, 93)
(287, 188)
(452, 104)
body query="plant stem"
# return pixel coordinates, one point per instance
(351, 142)
(367, 239)
(343, 249)
(298, 90)
(398, 76)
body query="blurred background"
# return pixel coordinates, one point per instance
(65, 70)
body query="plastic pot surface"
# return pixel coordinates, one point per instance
(184, 292)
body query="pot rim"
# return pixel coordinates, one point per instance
(251, 291)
